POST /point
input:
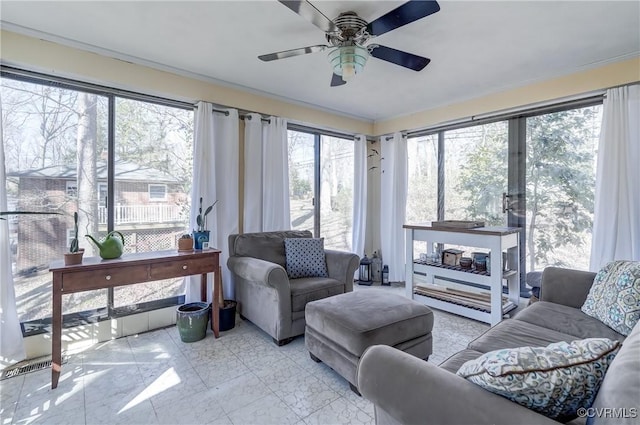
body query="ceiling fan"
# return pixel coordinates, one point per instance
(349, 38)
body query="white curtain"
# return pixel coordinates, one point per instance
(266, 175)
(253, 144)
(616, 224)
(359, 219)
(11, 344)
(393, 195)
(275, 177)
(215, 177)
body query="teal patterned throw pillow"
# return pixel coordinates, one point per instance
(305, 257)
(555, 380)
(614, 297)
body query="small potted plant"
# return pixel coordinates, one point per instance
(74, 256)
(226, 309)
(185, 243)
(201, 234)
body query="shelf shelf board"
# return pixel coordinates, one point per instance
(505, 274)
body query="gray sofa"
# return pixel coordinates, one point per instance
(406, 390)
(265, 294)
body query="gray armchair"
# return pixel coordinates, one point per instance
(265, 294)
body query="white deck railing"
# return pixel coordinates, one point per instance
(142, 214)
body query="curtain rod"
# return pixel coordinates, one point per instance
(313, 130)
(402, 133)
(220, 111)
(248, 117)
(242, 114)
(584, 100)
(531, 109)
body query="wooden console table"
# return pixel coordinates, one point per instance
(95, 273)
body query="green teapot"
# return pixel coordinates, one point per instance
(111, 247)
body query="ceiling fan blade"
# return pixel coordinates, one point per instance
(402, 15)
(337, 80)
(293, 52)
(311, 14)
(408, 60)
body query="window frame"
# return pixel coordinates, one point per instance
(517, 155)
(71, 188)
(39, 326)
(317, 165)
(71, 233)
(102, 202)
(164, 197)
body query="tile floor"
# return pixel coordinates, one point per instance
(240, 378)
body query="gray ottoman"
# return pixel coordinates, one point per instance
(340, 328)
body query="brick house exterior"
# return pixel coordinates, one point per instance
(150, 209)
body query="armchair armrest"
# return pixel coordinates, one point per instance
(412, 391)
(565, 286)
(259, 271)
(342, 266)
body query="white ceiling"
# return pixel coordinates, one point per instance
(475, 47)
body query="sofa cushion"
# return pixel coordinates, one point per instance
(614, 297)
(305, 257)
(268, 246)
(513, 333)
(453, 363)
(568, 320)
(309, 289)
(621, 386)
(555, 380)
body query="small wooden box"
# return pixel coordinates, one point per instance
(451, 257)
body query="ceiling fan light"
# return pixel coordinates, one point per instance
(348, 71)
(348, 61)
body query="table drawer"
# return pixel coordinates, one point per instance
(181, 268)
(98, 279)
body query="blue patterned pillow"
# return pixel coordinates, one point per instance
(614, 297)
(555, 380)
(305, 257)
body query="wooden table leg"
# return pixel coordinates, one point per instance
(56, 330)
(215, 307)
(203, 288)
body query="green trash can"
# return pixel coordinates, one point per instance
(192, 319)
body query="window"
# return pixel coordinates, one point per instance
(302, 170)
(102, 194)
(153, 145)
(71, 234)
(475, 169)
(71, 188)
(474, 174)
(560, 173)
(157, 192)
(48, 170)
(321, 186)
(336, 192)
(422, 193)
(544, 162)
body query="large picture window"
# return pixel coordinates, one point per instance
(321, 186)
(543, 163)
(475, 164)
(60, 147)
(422, 193)
(561, 175)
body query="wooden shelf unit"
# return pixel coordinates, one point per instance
(469, 304)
